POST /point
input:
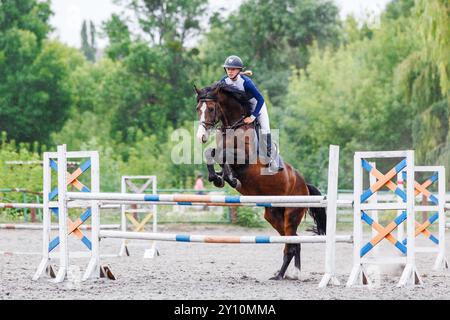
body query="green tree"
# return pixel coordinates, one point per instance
(167, 22)
(157, 90)
(434, 22)
(351, 97)
(424, 76)
(35, 94)
(29, 15)
(119, 37)
(271, 36)
(88, 45)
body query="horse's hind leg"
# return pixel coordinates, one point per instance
(295, 275)
(275, 216)
(289, 252)
(292, 218)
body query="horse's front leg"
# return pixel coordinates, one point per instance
(213, 177)
(229, 177)
(227, 156)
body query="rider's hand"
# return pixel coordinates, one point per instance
(249, 120)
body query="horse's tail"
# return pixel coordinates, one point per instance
(319, 215)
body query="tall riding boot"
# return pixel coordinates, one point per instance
(267, 140)
(272, 162)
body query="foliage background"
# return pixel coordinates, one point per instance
(358, 84)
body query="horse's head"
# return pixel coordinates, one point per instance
(220, 103)
(208, 111)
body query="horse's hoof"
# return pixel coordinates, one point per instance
(219, 182)
(234, 183)
(278, 277)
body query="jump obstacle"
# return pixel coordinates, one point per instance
(53, 207)
(128, 211)
(358, 276)
(35, 226)
(435, 204)
(430, 203)
(405, 171)
(94, 198)
(66, 225)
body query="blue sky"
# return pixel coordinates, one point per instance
(69, 14)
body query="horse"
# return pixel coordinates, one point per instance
(241, 169)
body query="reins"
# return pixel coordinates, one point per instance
(237, 124)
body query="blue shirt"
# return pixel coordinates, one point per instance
(244, 83)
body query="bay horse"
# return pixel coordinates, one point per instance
(235, 149)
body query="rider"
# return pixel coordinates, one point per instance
(233, 66)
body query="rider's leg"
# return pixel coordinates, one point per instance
(266, 136)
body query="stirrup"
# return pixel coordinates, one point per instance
(272, 165)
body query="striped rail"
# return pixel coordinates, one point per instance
(322, 204)
(53, 227)
(22, 205)
(220, 239)
(192, 198)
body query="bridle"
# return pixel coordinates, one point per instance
(206, 124)
(210, 125)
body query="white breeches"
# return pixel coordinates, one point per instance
(263, 119)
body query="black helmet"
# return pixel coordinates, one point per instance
(233, 62)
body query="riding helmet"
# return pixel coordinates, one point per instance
(233, 62)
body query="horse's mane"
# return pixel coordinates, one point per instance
(240, 96)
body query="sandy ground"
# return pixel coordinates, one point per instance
(191, 271)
